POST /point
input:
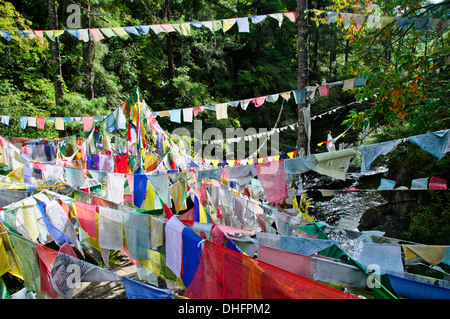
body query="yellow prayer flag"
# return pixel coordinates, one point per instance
(10, 252)
(177, 194)
(290, 154)
(227, 24)
(5, 266)
(215, 162)
(185, 28)
(106, 140)
(149, 160)
(154, 263)
(57, 33)
(29, 218)
(202, 214)
(430, 253)
(59, 124)
(17, 174)
(286, 95)
(120, 32)
(164, 113)
(385, 21)
(348, 84)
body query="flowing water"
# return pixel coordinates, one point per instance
(336, 205)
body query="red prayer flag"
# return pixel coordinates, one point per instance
(86, 215)
(121, 164)
(46, 257)
(226, 274)
(273, 180)
(437, 183)
(324, 90)
(88, 123)
(40, 122)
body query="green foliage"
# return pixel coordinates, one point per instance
(404, 87)
(406, 71)
(24, 88)
(430, 222)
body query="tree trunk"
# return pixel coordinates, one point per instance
(56, 57)
(170, 67)
(315, 51)
(88, 63)
(347, 50)
(58, 81)
(302, 77)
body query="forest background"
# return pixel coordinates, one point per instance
(407, 91)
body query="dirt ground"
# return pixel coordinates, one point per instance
(116, 289)
(110, 289)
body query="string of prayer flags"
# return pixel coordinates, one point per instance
(375, 20)
(301, 96)
(98, 34)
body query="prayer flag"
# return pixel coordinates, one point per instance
(87, 123)
(324, 90)
(191, 254)
(96, 35)
(258, 101)
(87, 217)
(187, 114)
(278, 17)
(157, 29)
(175, 116)
(243, 25)
(258, 19)
(83, 34)
(143, 29)
(437, 183)
(348, 84)
(139, 189)
(185, 28)
(273, 180)
(138, 290)
(59, 124)
(173, 231)
(131, 30)
(292, 15)
(226, 274)
(227, 24)
(167, 28)
(40, 35)
(108, 32)
(119, 31)
(221, 111)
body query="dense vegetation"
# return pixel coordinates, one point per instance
(407, 69)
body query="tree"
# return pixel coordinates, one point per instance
(58, 81)
(26, 88)
(302, 79)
